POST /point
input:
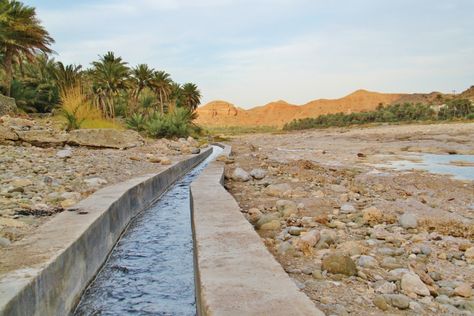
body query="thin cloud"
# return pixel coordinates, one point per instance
(251, 52)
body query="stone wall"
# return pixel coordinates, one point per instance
(7, 105)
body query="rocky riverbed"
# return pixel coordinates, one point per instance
(41, 178)
(357, 238)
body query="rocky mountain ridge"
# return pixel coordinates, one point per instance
(278, 113)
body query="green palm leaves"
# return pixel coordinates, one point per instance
(110, 75)
(39, 83)
(191, 96)
(162, 85)
(142, 77)
(21, 35)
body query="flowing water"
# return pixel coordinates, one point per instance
(150, 271)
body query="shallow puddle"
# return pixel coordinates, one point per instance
(459, 166)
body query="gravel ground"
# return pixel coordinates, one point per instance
(37, 183)
(359, 239)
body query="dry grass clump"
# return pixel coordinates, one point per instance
(449, 227)
(73, 100)
(79, 111)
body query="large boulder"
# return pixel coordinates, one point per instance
(408, 220)
(18, 123)
(277, 190)
(7, 134)
(411, 283)
(469, 255)
(43, 137)
(285, 207)
(307, 242)
(240, 175)
(339, 263)
(258, 173)
(7, 105)
(105, 138)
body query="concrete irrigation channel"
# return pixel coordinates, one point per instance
(190, 252)
(150, 271)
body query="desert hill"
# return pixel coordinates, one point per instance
(468, 94)
(222, 113)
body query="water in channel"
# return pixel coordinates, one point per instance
(150, 271)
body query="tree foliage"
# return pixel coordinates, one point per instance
(407, 112)
(21, 37)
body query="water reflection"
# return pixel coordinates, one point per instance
(459, 166)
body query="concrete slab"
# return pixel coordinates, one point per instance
(235, 273)
(46, 273)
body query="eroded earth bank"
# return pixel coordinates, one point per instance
(357, 236)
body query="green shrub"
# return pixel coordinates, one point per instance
(72, 119)
(460, 108)
(136, 122)
(175, 124)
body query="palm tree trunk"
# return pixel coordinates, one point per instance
(161, 103)
(111, 105)
(8, 67)
(171, 106)
(135, 100)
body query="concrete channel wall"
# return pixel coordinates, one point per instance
(235, 273)
(46, 273)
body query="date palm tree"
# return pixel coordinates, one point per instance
(191, 96)
(67, 76)
(110, 76)
(175, 97)
(162, 85)
(142, 77)
(34, 87)
(21, 35)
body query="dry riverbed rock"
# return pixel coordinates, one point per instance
(286, 208)
(278, 190)
(105, 138)
(258, 174)
(412, 284)
(339, 263)
(402, 238)
(240, 174)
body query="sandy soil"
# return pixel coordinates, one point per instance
(328, 183)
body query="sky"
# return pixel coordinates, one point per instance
(251, 52)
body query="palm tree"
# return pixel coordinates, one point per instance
(67, 76)
(110, 75)
(175, 97)
(142, 77)
(34, 87)
(162, 84)
(191, 96)
(21, 35)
